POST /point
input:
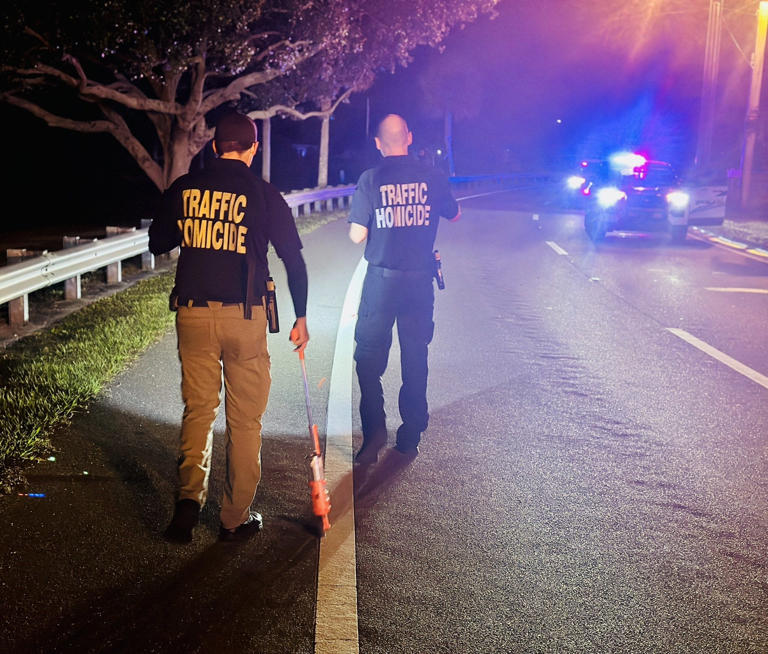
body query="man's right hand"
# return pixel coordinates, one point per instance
(299, 334)
(357, 233)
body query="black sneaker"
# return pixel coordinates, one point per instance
(409, 451)
(368, 453)
(185, 517)
(247, 530)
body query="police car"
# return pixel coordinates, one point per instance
(628, 192)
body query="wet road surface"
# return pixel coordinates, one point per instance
(590, 482)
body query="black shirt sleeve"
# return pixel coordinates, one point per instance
(282, 233)
(298, 284)
(448, 207)
(281, 227)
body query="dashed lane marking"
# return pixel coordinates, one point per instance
(717, 289)
(556, 247)
(482, 195)
(739, 367)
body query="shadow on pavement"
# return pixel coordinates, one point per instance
(85, 568)
(371, 481)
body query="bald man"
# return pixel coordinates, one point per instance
(396, 209)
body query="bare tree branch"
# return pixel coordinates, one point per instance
(42, 70)
(114, 125)
(295, 113)
(32, 33)
(187, 118)
(280, 44)
(261, 35)
(233, 90)
(122, 132)
(88, 88)
(90, 126)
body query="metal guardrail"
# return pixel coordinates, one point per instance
(312, 197)
(52, 267)
(18, 280)
(501, 180)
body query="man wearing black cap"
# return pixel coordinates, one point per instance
(224, 218)
(396, 209)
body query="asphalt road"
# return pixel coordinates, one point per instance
(590, 481)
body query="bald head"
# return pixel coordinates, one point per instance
(393, 137)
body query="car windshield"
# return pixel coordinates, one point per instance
(651, 175)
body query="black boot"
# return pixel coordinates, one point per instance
(369, 451)
(185, 516)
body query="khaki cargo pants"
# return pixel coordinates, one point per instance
(211, 339)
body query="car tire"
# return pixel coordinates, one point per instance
(678, 233)
(595, 227)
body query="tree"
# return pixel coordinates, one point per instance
(153, 73)
(323, 83)
(452, 88)
(324, 114)
(310, 93)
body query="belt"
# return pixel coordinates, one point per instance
(392, 272)
(204, 303)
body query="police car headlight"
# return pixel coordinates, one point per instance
(678, 199)
(574, 182)
(610, 196)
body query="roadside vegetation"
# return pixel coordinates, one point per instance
(50, 375)
(755, 231)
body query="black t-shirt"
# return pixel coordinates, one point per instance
(400, 201)
(218, 218)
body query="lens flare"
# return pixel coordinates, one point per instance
(610, 196)
(626, 162)
(575, 181)
(678, 199)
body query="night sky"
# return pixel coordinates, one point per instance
(541, 86)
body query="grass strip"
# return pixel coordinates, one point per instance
(51, 374)
(46, 377)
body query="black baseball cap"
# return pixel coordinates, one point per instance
(233, 126)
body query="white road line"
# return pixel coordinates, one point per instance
(556, 247)
(336, 612)
(721, 356)
(736, 290)
(482, 195)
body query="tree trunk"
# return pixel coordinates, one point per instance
(325, 136)
(181, 156)
(266, 149)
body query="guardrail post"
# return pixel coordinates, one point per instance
(18, 308)
(18, 311)
(72, 287)
(115, 270)
(14, 255)
(147, 258)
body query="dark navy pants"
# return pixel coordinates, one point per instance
(405, 298)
